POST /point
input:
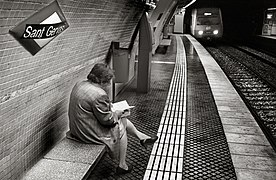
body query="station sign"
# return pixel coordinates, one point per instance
(39, 29)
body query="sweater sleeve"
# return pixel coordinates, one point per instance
(102, 110)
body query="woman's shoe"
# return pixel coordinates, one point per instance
(149, 141)
(120, 170)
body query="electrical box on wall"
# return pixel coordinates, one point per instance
(179, 23)
(121, 58)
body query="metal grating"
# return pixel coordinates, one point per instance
(206, 153)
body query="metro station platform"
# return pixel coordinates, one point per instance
(205, 130)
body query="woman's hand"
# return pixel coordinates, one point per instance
(126, 113)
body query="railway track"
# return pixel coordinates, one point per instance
(253, 75)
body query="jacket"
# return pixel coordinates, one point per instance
(91, 119)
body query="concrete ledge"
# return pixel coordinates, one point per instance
(68, 160)
(165, 42)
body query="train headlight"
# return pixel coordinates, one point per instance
(200, 32)
(215, 32)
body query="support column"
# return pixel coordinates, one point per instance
(144, 55)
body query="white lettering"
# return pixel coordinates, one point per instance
(54, 31)
(50, 31)
(27, 31)
(34, 34)
(60, 29)
(40, 32)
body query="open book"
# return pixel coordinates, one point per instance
(121, 105)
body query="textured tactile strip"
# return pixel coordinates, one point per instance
(166, 158)
(146, 116)
(206, 152)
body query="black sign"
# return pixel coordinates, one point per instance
(42, 31)
(39, 29)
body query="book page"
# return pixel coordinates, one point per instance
(122, 105)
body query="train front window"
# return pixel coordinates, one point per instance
(208, 21)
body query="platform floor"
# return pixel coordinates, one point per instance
(270, 37)
(205, 130)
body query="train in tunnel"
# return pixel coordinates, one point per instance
(206, 23)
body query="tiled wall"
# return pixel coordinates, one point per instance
(35, 89)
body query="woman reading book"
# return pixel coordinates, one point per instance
(93, 120)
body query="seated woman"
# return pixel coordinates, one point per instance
(91, 119)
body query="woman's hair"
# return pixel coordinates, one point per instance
(100, 74)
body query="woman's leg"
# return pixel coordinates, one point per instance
(123, 149)
(131, 129)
